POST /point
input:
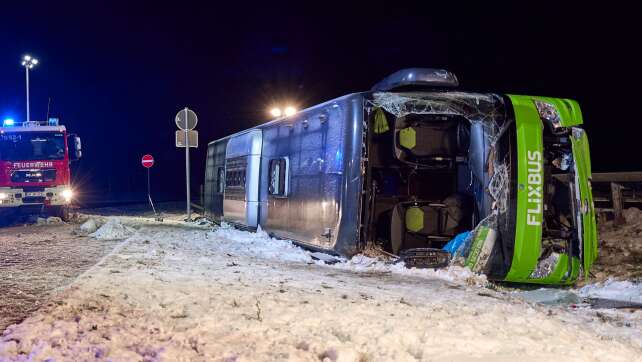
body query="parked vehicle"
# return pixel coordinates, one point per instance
(410, 165)
(34, 168)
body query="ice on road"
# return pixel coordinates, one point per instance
(177, 293)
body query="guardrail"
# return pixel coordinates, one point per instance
(616, 189)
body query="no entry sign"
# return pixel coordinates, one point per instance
(147, 161)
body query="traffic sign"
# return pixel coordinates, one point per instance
(192, 137)
(147, 161)
(186, 119)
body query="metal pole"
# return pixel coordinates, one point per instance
(27, 75)
(149, 193)
(189, 206)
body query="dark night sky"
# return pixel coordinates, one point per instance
(117, 72)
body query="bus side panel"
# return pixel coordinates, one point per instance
(312, 143)
(348, 235)
(242, 167)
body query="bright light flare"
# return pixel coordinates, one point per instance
(3, 196)
(29, 62)
(68, 194)
(8, 122)
(276, 112)
(289, 111)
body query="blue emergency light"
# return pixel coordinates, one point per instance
(8, 123)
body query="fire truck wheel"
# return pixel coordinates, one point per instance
(62, 212)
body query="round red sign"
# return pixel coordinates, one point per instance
(147, 161)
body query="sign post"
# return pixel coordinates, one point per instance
(148, 161)
(186, 121)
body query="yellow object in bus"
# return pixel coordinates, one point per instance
(380, 122)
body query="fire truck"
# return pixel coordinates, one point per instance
(35, 177)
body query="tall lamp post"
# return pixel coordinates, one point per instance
(28, 62)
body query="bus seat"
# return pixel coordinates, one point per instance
(420, 224)
(426, 142)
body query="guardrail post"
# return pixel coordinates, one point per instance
(616, 195)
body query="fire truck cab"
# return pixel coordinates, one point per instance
(35, 177)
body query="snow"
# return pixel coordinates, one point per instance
(184, 291)
(89, 226)
(621, 290)
(113, 229)
(50, 220)
(453, 273)
(550, 296)
(256, 245)
(616, 290)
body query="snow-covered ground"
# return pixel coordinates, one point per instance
(175, 291)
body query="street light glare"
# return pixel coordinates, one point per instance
(29, 62)
(289, 111)
(276, 112)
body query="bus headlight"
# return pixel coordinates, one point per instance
(68, 194)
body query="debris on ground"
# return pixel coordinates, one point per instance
(620, 249)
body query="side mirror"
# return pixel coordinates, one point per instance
(75, 147)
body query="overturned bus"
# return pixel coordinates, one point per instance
(412, 164)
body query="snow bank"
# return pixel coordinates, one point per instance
(453, 273)
(614, 290)
(48, 221)
(258, 245)
(113, 229)
(89, 226)
(261, 245)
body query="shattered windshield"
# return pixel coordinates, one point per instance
(31, 146)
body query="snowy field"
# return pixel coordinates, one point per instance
(37, 260)
(176, 291)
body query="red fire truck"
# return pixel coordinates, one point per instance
(34, 168)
